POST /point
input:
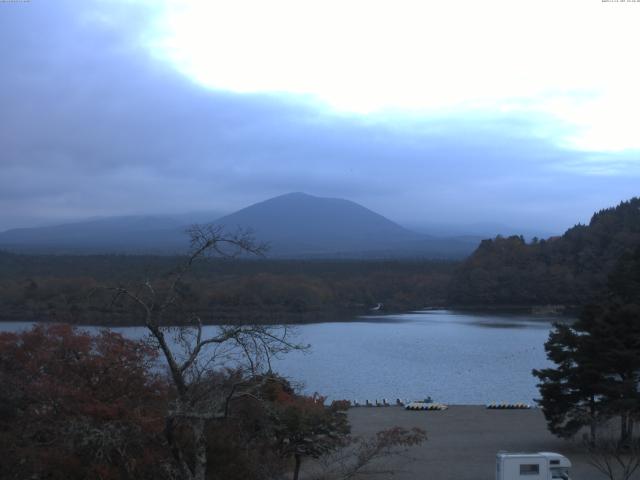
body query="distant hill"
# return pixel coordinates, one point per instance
(477, 229)
(571, 269)
(301, 225)
(126, 234)
(296, 225)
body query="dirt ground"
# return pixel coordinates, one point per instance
(463, 441)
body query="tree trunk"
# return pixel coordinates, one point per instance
(593, 426)
(199, 469)
(626, 428)
(296, 470)
(176, 451)
(200, 449)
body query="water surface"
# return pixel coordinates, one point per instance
(454, 357)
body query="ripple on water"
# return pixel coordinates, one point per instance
(458, 358)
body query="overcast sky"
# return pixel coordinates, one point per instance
(523, 113)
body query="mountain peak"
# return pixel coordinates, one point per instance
(303, 196)
(305, 223)
(295, 195)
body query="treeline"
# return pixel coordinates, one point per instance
(76, 288)
(570, 270)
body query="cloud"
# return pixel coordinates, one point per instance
(369, 56)
(93, 124)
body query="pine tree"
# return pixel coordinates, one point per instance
(598, 361)
(570, 392)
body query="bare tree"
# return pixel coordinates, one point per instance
(361, 455)
(615, 459)
(191, 354)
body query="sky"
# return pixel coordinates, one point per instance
(522, 113)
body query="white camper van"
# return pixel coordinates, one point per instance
(532, 466)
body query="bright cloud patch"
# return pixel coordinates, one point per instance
(571, 60)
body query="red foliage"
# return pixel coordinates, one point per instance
(73, 405)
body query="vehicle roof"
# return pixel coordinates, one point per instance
(564, 461)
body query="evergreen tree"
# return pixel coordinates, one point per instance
(612, 334)
(598, 360)
(570, 392)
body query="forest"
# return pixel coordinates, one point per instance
(75, 289)
(570, 270)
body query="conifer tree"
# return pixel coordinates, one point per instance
(598, 360)
(570, 392)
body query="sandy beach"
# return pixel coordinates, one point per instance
(464, 439)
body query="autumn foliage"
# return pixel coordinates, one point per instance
(80, 406)
(73, 405)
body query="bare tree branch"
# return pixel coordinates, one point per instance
(615, 459)
(199, 397)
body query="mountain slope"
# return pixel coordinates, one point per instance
(298, 223)
(127, 234)
(569, 270)
(295, 225)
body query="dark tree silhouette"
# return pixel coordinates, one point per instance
(569, 270)
(598, 360)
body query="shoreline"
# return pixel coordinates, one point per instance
(318, 317)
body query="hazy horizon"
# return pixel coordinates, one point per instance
(427, 113)
(444, 228)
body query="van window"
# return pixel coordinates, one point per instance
(530, 469)
(560, 472)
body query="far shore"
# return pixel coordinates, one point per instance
(324, 316)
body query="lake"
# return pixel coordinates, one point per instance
(454, 357)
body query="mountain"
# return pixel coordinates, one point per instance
(125, 234)
(302, 225)
(568, 270)
(295, 225)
